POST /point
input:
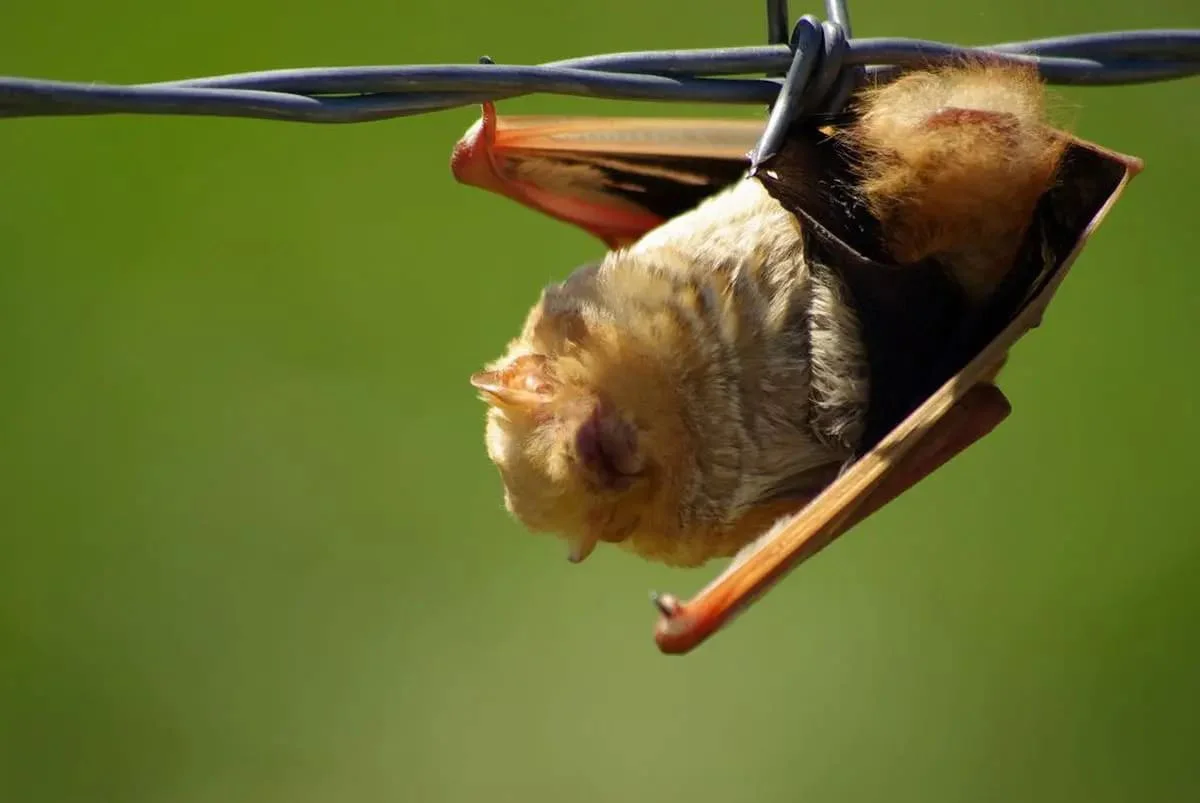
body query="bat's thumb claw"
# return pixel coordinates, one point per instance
(666, 604)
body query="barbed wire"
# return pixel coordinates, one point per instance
(807, 69)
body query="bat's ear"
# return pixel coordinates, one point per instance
(521, 384)
(608, 447)
(556, 323)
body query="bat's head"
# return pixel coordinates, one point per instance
(572, 443)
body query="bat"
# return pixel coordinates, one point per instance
(759, 362)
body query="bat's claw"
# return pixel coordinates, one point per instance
(666, 604)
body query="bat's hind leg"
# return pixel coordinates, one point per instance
(953, 161)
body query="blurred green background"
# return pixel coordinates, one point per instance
(253, 549)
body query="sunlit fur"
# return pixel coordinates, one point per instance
(953, 163)
(663, 401)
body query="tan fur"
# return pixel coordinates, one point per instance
(952, 163)
(706, 352)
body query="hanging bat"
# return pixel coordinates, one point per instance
(759, 362)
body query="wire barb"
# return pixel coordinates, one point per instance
(809, 73)
(817, 82)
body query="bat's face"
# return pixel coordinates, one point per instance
(573, 462)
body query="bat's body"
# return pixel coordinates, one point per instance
(676, 417)
(717, 373)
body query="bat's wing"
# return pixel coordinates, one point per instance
(614, 177)
(962, 408)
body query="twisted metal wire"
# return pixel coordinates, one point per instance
(808, 69)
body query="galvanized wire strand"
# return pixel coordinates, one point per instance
(824, 63)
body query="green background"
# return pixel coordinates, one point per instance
(253, 549)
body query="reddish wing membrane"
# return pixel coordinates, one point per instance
(615, 177)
